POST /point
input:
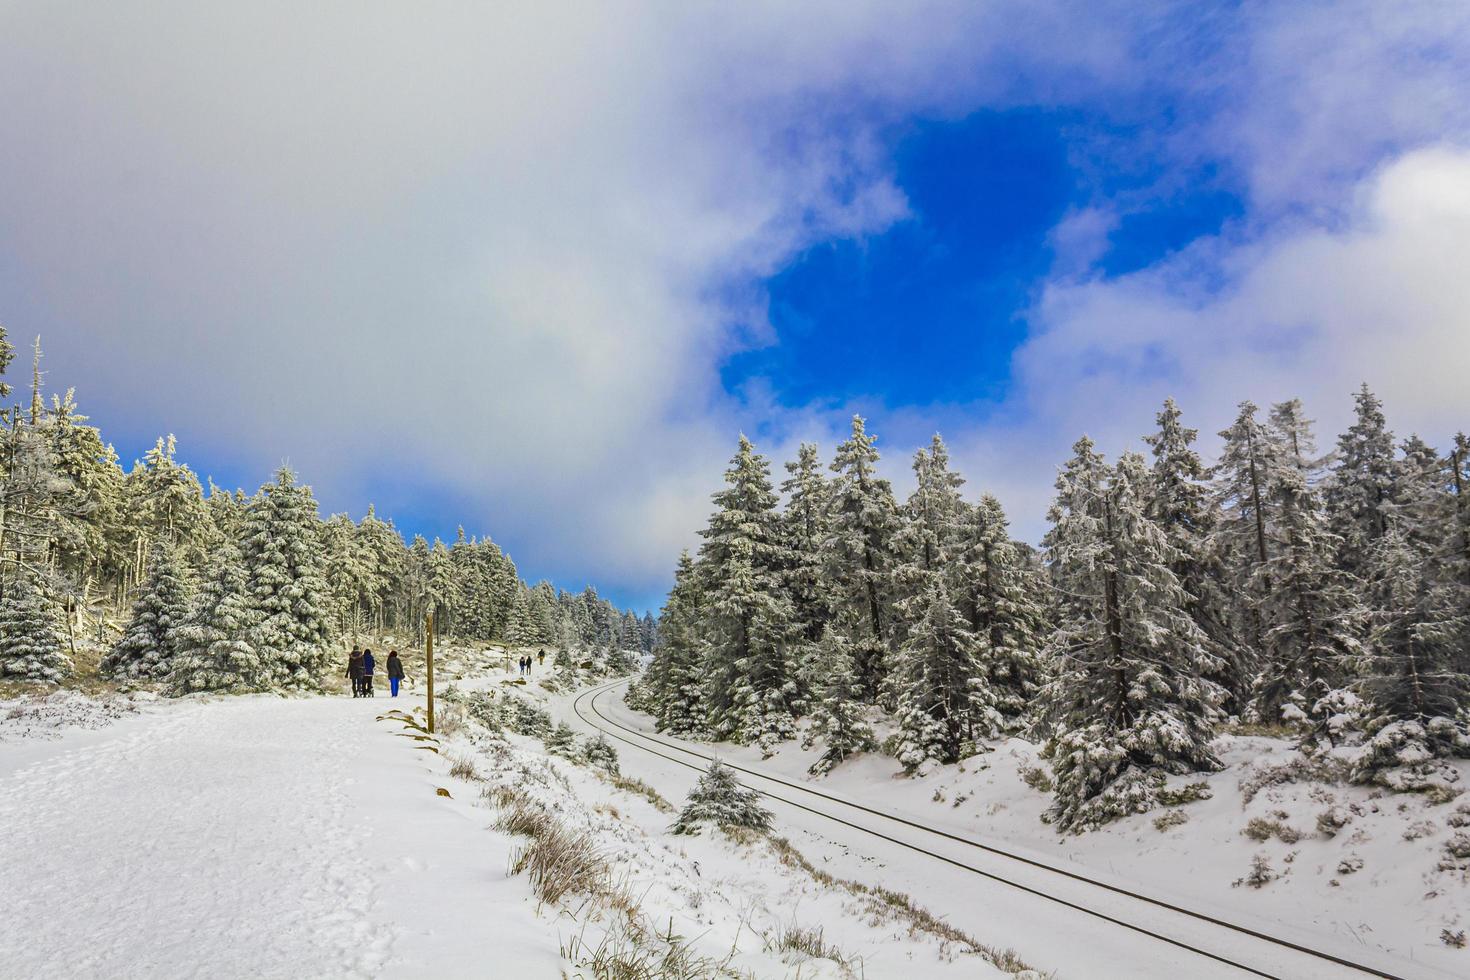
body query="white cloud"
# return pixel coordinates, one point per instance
(1381, 297)
(503, 249)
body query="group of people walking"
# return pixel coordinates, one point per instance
(360, 668)
(527, 660)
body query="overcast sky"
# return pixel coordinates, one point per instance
(531, 267)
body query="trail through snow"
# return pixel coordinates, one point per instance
(256, 836)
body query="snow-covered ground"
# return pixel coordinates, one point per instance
(254, 836)
(1380, 890)
(290, 837)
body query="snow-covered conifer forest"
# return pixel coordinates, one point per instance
(140, 575)
(1320, 594)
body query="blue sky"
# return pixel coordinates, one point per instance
(531, 270)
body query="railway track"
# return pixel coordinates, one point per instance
(586, 708)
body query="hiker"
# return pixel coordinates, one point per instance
(541, 658)
(523, 666)
(367, 673)
(354, 671)
(395, 672)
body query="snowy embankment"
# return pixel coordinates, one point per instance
(254, 836)
(1351, 870)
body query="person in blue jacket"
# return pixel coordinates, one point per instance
(367, 673)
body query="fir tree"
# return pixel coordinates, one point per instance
(720, 799)
(214, 649)
(749, 690)
(1308, 607)
(599, 754)
(836, 703)
(1130, 703)
(290, 604)
(31, 644)
(150, 644)
(1002, 598)
(859, 553)
(1241, 495)
(1360, 492)
(672, 688)
(944, 699)
(521, 628)
(1180, 504)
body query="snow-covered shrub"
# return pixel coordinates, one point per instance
(1458, 846)
(1260, 873)
(1455, 939)
(1323, 769)
(1409, 757)
(1264, 828)
(1331, 821)
(1037, 778)
(562, 741)
(1182, 795)
(1418, 829)
(720, 799)
(1350, 865)
(599, 754)
(1461, 816)
(1170, 819)
(487, 709)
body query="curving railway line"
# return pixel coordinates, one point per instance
(1238, 948)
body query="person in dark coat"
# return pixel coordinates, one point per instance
(354, 671)
(367, 673)
(541, 658)
(395, 672)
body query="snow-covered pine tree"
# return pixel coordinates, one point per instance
(750, 691)
(1360, 491)
(1003, 599)
(1131, 702)
(1248, 454)
(858, 553)
(1415, 678)
(672, 688)
(720, 799)
(289, 599)
(31, 644)
(836, 713)
(928, 530)
(648, 630)
(150, 644)
(803, 531)
(170, 499)
(599, 754)
(214, 649)
(1180, 504)
(347, 576)
(382, 555)
(562, 741)
(521, 628)
(1310, 610)
(943, 697)
(441, 584)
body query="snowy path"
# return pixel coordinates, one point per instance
(1047, 934)
(258, 837)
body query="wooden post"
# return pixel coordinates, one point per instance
(429, 663)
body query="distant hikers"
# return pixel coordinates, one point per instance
(367, 673)
(354, 671)
(541, 658)
(395, 672)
